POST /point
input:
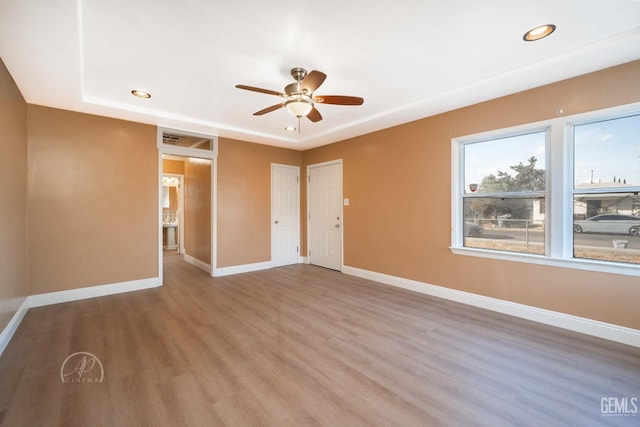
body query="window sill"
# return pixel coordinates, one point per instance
(579, 264)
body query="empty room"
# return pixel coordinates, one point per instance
(409, 213)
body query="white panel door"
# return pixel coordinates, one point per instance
(325, 215)
(285, 215)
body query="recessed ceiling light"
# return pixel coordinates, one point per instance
(539, 32)
(141, 94)
(290, 128)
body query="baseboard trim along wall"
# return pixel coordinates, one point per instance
(91, 292)
(243, 268)
(12, 326)
(583, 325)
(200, 264)
(49, 298)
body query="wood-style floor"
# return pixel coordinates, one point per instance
(305, 346)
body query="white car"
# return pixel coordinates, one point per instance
(610, 224)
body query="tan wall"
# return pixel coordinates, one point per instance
(13, 204)
(197, 209)
(92, 200)
(399, 218)
(173, 166)
(244, 200)
(173, 198)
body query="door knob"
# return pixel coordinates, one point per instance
(277, 222)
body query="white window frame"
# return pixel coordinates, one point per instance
(508, 195)
(559, 200)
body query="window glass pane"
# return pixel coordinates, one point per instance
(510, 164)
(607, 154)
(187, 141)
(505, 224)
(604, 227)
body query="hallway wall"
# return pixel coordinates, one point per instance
(13, 193)
(197, 209)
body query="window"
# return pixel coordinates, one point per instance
(188, 141)
(504, 193)
(605, 190)
(564, 192)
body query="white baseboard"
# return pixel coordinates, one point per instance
(70, 295)
(244, 268)
(12, 326)
(200, 264)
(92, 292)
(304, 260)
(583, 325)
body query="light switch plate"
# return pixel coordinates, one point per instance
(346, 202)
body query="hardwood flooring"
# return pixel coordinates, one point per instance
(305, 346)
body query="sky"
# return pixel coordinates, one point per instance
(609, 148)
(489, 157)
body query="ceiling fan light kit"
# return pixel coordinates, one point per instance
(299, 107)
(299, 96)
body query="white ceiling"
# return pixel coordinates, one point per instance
(407, 58)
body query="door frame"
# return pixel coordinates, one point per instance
(297, 169)
(317, 165)
(165, 149)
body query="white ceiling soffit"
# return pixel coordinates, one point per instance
(407, 58)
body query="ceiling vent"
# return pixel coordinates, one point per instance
(170, 139)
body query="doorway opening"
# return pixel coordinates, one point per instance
(187, 194)
(172, 207)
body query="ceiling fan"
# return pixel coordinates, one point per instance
(299, 96)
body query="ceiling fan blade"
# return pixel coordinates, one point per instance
(257, 89)
(314, 115)
(268, 109)
(338, 100)
(312, 81)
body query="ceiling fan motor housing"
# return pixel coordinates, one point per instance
(298, 73)
(293, 89)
